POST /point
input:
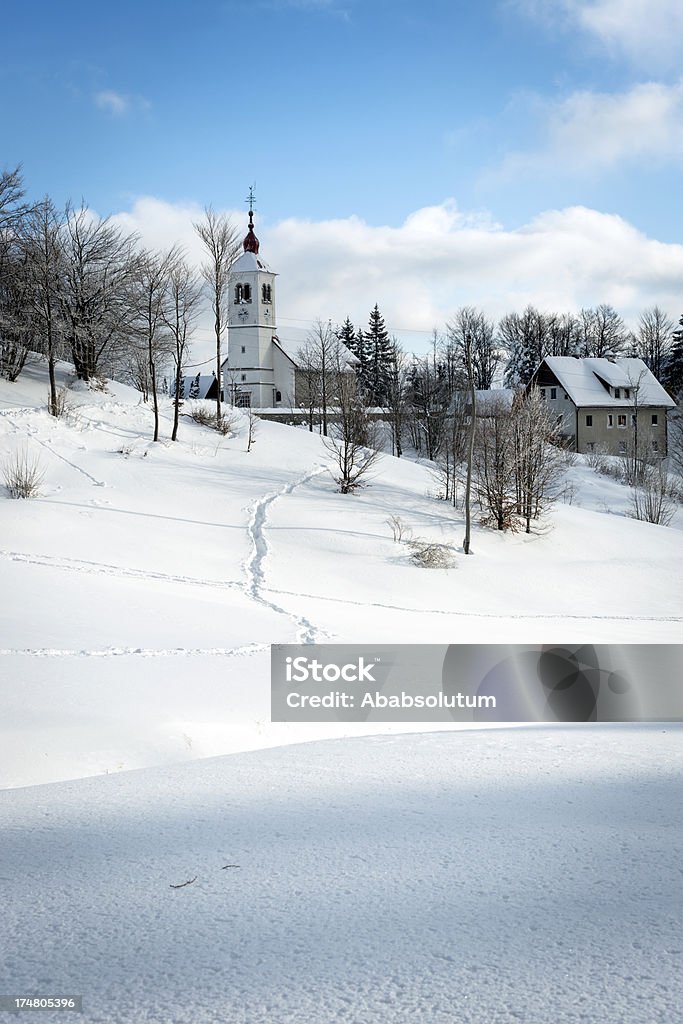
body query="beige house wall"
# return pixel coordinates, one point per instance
(612, 439)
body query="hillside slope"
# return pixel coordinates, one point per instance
(142, 589)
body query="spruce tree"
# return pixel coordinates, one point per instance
(380, 358)
(673, 373)
(347, 336)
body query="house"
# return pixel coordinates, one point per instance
(262, 369)
(613, 405)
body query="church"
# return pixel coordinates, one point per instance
(260, 371)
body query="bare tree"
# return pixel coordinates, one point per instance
(494, 466)
(16, 322)
(603, 333)
(652, 498)
(154, 274)
(41, 240)
(538, 455)
(180, 315)
(470, 329)
(654, 339)
(321, 357)
(99, 265)
(353, 437)
(428, 402)
(396, 398)
(219, 238)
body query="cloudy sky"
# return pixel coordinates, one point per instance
(422, 156)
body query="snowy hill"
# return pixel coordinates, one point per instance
(143, 587)
(526, 874)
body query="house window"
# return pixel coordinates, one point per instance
(622, 447)
(243, 399)
(244, 349)
(542, 392)
(621, 420)
(655, 446)
(553, 392)
(610, 420)
(654, 419)
(617, 393)
(244, 376)
(627, 392)
(589, 421)
(590, 446)
(566, 397)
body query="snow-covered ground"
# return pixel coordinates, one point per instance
(142, 589)
(482, 876)
(526, 875)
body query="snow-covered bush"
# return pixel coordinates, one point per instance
(23, 475)
(653, 499)
(430, 555)
(206, 416)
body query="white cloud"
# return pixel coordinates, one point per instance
(439, 259)
(647, 32)
(591, 131)
(118, 104)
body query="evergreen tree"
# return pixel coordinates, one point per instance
(673, 373)
(194, 387)
(347, 335)
(380, 358)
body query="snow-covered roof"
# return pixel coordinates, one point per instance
(582, 380)
(249, 262)
(292, 350)
(205, 382)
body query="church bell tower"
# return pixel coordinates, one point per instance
(248, 371)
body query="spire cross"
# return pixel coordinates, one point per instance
(251, 199)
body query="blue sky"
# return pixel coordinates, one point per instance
(367, 109)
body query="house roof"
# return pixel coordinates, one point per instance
(206, 380)
(582, 379)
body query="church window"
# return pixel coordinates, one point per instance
(244, 376)
(266, 293)
(238, 293)
(247, 292)
(244, 349)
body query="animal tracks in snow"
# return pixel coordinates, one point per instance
(105, 569)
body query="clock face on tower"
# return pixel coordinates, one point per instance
(243, 314)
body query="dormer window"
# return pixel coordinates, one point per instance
(617, 393)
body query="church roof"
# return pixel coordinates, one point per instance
(249, 262)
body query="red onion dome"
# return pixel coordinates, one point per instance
(251, 242)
